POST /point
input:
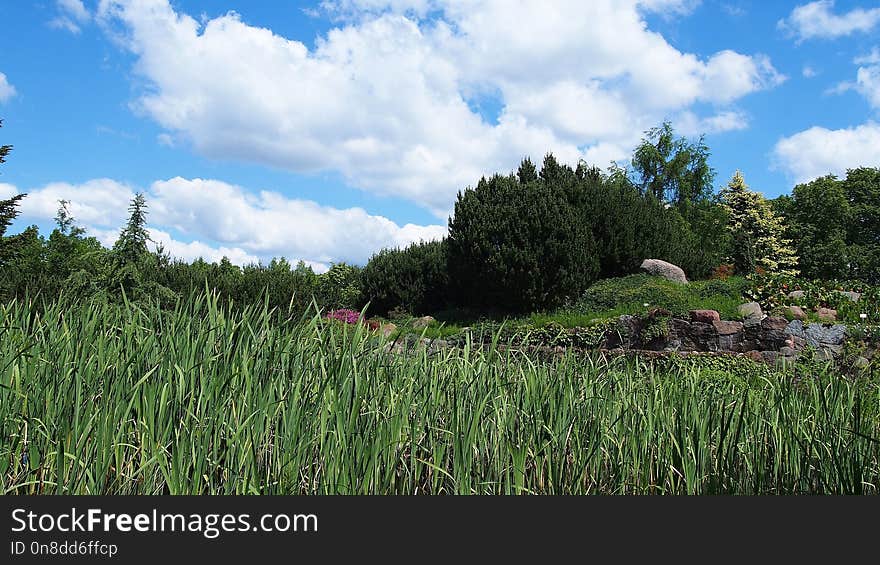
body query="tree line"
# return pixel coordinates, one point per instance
(529, 240)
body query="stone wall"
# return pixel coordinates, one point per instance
(768, 338)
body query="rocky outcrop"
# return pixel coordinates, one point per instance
(773, 339)
(668, 271)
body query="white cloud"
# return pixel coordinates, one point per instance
(270, 224)
(244, 226)
(734, 10)
(809, 72)
(819, 151)
(192, 250)
(867, 81)
(165, 140)
(690, 124)
(7, 190)
(71, 15)
(7, 91)
(384, 99)
(817, 20)
(101, 203)
(872, 58)
(868, 84)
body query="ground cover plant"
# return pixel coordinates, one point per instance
(207, 398)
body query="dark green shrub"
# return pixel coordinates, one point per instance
(414, 279)
(521, 244)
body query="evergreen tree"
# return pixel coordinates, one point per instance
(414, 278)
(757, 231)
(8, 212)
(131, 246)
(516, 246)
(4, 149)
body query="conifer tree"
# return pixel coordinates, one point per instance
(757, 231)
(8, 212)
(132, 243)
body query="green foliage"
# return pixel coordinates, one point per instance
(629, 228)
(756, 230)
(9, 245)
(131, 247)
(203, 399)
(862, 189)
(835, 225)
(340, 287)
(4, 149)
(519, 246)
(672, 169)
(818, 213)
(630, 295)
(771, 292)
(414, 279)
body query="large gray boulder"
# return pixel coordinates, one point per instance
(668, 271)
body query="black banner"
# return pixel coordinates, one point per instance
(162, 529)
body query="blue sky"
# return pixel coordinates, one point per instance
(324, 131)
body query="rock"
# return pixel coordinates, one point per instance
(827, 314)
(773, 335)
(723, 327)
(796, 294)
(854, 296)
(704, 336)
(797, 313)
(755, 355)
(861, 363)
(769, 357)
(751, 313)
(774, 323)
(387, 329)
(729, 335)
(668, 271)
(788, 352)
(705, 316)
(796, 330)
(423, 322)
(816, 335)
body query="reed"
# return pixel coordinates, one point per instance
(98, 398)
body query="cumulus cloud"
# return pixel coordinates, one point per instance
(868, 84)
(817, 20)
(72, 14)
(385, 98)
(809, 72)
(7, 91)
(220, 219)
(872, 58)
(819, 151)
(690, 124)
(867, 81)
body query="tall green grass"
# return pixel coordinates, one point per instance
(105, 399)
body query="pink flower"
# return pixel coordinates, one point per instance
(344, 315)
